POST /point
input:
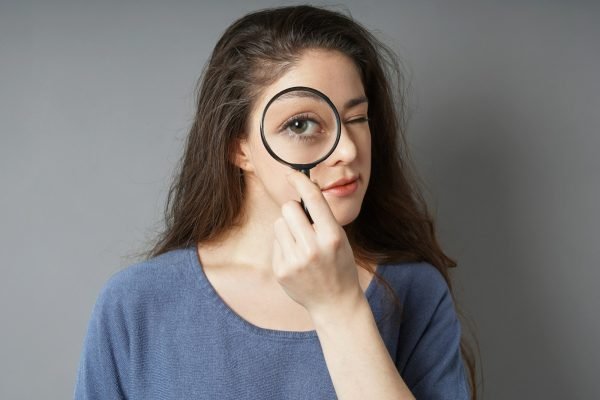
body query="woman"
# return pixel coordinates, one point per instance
(242, 297)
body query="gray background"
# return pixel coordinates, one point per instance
(96, 99)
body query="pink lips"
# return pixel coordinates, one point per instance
(342, 187)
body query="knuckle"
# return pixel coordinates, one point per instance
(280, 274)
(312, 254)
(312, 196)
(286, 273)
(288, 207)
(334, 241)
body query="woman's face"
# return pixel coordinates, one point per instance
(336, 75)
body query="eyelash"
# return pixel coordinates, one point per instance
(358, 120)
(301, 117)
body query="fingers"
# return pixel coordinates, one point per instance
(317, 206)
(299, 226)
(284, 237)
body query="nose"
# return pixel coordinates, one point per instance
(345, 151)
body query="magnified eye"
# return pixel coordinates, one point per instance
(301, 127)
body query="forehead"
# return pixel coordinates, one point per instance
(328, 71)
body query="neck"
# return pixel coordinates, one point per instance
(251, 244)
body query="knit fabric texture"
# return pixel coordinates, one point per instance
(160, 330)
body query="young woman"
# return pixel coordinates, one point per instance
(242, 297)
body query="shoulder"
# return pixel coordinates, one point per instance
(149, 274)
(127, 312)
(421, 288)
(145, 281)
(420, 279)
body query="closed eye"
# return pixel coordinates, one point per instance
(358, 120)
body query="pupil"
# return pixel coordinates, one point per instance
(298, 126)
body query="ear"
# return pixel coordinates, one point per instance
(241, 155)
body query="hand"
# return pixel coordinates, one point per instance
(313, 263)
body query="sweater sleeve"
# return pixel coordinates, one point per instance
(434, 369)
(102, 372)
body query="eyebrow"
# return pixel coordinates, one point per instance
(356, 101)
(299, 93)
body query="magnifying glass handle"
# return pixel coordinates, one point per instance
(307, 173)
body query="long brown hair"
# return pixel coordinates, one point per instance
(206, 198)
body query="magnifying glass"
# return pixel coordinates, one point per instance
(300, 127)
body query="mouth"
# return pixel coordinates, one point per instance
(341, 182)
(342, 187)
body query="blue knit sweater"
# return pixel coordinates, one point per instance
(159, 330)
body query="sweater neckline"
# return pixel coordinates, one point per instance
(209, 290)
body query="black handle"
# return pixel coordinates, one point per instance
(307, 173)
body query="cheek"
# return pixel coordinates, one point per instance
(271, 175)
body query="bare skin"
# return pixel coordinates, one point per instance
(258, 299)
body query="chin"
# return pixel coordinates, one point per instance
(345, 216)
(345, 210)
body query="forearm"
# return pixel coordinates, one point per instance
(356, 357)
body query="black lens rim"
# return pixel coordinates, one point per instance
(337, 119)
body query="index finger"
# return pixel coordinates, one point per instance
(317, 206)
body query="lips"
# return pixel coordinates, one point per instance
(340, 182)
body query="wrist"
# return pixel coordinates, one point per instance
(342, 313)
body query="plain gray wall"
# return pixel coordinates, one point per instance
(96, 99)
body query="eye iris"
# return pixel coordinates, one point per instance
(298, 126)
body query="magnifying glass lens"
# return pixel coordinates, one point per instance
(300, 126)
